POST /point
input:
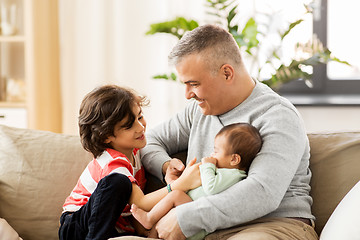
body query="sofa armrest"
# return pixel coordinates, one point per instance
(7, 232)
(38, 170)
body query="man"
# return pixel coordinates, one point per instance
(273, 202)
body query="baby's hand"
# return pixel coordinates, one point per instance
(209, 160)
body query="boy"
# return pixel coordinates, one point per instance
(112, 128)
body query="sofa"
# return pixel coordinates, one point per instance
(38, 170)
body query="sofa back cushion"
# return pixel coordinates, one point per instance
(335, 166)
(38, 170)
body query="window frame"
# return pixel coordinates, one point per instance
(325, 91)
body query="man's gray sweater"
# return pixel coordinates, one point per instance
(278, 179)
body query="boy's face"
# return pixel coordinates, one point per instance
(221, 153)
(125, 140)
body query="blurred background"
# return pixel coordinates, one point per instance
(53, 52)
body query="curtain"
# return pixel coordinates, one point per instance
(104, 42)
(42, 65)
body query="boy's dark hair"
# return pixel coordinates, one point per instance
(101, 110)
(243, 139)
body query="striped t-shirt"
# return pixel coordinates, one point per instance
(111, 161)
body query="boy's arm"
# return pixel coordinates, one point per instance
(146, 202)
(188, 180)
(217, 180)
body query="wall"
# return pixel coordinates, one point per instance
(320, 119)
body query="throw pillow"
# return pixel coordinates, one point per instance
(344, 222)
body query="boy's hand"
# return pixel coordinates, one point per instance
(209, 160)
(173, 169)
(190, 178)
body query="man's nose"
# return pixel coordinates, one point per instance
(188, 93)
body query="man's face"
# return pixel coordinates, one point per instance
(204, 86)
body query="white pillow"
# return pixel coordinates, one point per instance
(344, 222)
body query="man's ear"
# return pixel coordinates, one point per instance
(228, 71)
(235, 159)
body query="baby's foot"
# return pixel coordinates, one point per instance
(141, 216)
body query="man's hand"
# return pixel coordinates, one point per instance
(168, 227)
(173, 169)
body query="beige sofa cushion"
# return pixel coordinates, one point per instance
(38, 170)
(335, 165)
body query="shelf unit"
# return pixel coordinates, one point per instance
(29, 60)
(12, 39)
(14, 77)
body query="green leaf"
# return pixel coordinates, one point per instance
(291, 26)
(239, 38)
(171, 76)
(250, 34)
(231, 15)
(320, 58)
(311, 61)
(275, 55)
(339, 61)
(286, 74)
(176, 27)
(161, 76)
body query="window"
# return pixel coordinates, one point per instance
(334, 22)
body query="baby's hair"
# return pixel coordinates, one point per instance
(243, 139)
(101, 110)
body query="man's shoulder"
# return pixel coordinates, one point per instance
(265, 98)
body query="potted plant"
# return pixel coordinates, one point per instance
(247, 37)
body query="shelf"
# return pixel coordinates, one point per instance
(12, 105)
(17, 38)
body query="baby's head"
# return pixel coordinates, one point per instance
(236, 145)
(103, 109)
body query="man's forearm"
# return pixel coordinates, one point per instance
(222, 210)
(154, 159)
(165, 166)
